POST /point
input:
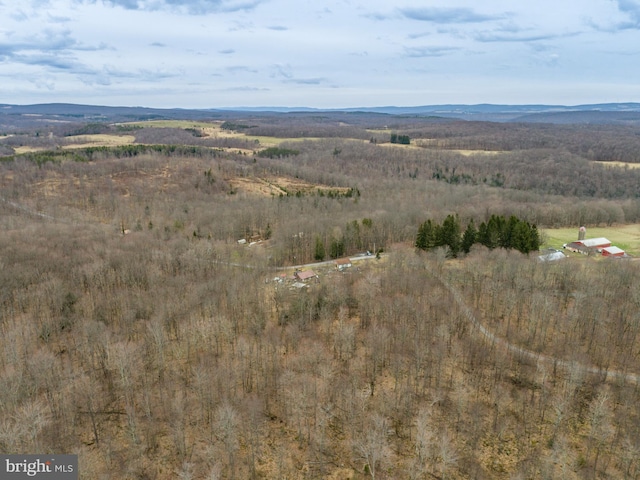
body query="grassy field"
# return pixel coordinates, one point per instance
(100, 140)
(627, 237)
(620, 164)
(172, 124)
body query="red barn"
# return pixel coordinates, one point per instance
(612, 252)
(597, 243)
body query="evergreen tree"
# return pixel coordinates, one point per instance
(449, 235)
(534, 241)
(337, 248)
(521, 238)
(508, 230)
(469, 237)
(319, 250)
(426, 236)
(487, 234)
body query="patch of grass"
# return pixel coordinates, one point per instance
(100, 140)
(619, 164)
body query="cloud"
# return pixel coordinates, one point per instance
(50, 40)
(57, 19)
(52, 50)
(380, 16)
(193, 7)
(19, 16)
(447, 15)
(108, 73)
(632, 9)
(415, 36)
(227, 51)
(247, 89)
(418, 52)
(308, 81)
(286, 73)
(43, 83)
(278, 28)
(512, 32)
(502, 37)
(241, 69)
(57, 62)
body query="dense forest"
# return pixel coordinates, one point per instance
(151, 323)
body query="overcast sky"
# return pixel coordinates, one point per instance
(335, 53)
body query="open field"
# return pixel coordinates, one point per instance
(627, 237)
(100, 140)
(282, 186)
(170, 124)
(619, 164)
(477, 152)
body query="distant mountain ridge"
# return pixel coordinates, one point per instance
(538, 113)
(459, 108)
(609, 113)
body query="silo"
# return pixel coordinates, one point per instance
(582, 233)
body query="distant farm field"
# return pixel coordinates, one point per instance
(100, 140)
(170, 124)
(627, 237)
(620, 164)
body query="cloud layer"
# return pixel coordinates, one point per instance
(220, 53)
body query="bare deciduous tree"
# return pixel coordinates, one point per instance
(372, 444)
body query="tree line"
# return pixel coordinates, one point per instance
(497, 232)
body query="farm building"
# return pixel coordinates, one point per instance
(597, 243)
(551, 256)
(343, 263)
(613, 252)
(578, 248)
(304, 275)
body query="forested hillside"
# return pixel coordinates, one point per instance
(150, 321)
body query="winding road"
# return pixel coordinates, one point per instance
(492, 338)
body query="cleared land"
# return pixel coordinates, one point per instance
(627, 237)
(100, 140)
(281, 186)
(619, 164)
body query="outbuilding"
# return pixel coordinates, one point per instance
(551, 256)
(304, 275)
(343, 263)
(612, 252)
(597, 243)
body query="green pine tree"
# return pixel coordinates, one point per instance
(450, 235)
(319, 250)
(469, 237)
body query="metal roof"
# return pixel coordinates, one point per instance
(595, 242)
(551, 256)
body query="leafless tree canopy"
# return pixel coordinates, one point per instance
(137, 332)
